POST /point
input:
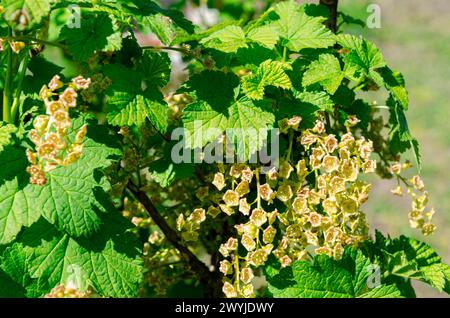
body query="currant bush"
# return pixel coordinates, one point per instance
(147, 155)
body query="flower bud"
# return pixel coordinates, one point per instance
(319, 127)
(81, 134)
(285, 261)
(285, 170)
(244, 207)
(40, 123)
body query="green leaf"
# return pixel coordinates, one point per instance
(127, 109)
(155, 68)
(164, 172)
(140, 10)
(206, 118)
(15, 281)
(395, 84)
(320, 99)
(25, 14)
(162, 26)
(326, 71)
(299, 30)
(446, 271)
(348, 19)
(401, 138)
(17, 198)
(307, 111)
(346, 278)
(382, 291)
(69, 199)
(266, 36)
(434, 275)
(42, 72)
(268, 73)
(97, 33)
(228, 39)
(364, 58)
(408, 258)
(128, 104)
(111, 263)
(216, 88)
(249, 122)
(255, 54)
(203, 124)
(6, 133)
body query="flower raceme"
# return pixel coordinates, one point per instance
(323, 215)
(415, 187)
(53, 147)
(313, 204)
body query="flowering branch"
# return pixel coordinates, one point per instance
(208, 278)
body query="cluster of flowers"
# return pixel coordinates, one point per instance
(158, 254)
(99, 83)
(418, 217)
(69, 291)
(318, 204)
(50, 131)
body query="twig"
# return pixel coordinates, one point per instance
(209, 279)
(165, 48)
(35, 40)
(332, 7)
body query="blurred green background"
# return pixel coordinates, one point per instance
(415, 39)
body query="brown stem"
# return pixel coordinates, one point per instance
(207, 278)
(332, 7)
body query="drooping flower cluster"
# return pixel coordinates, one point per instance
(93, 93)
(159, 255)
(189, 226)
(50, 131)
(420, 216)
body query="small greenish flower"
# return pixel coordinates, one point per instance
(246, 275)
(258, 217)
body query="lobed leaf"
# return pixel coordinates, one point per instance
(70, 199)
(299, 30)
(268, 73)
(326, 71)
